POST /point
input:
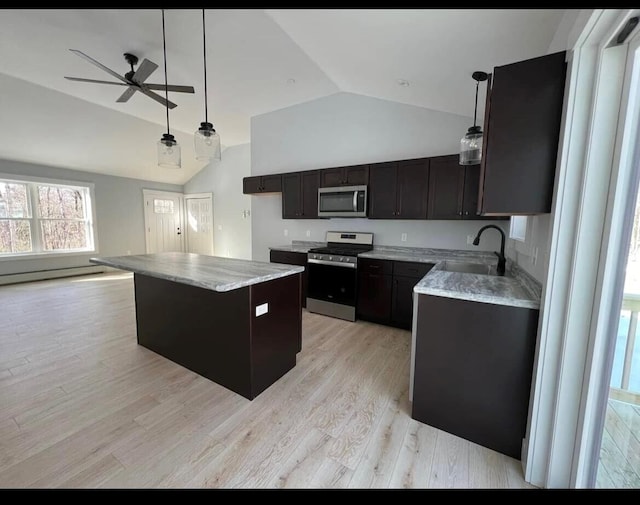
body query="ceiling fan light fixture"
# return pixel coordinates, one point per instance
(471, 143)
(168, 149)
(207, 143)
(206, 140)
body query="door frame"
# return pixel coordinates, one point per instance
(555, 451)
(147, 193)
(194, 196)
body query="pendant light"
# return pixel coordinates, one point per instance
(207, 141)
(471, 143)
(168, 148)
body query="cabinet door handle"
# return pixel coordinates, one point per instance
(466, 213)
(460, 213)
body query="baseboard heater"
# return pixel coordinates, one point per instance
(42, 275)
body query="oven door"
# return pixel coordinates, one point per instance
(332, 283)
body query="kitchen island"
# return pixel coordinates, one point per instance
(235, 322)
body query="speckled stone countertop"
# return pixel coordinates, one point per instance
(209, 272)
(300, 246)
(516, 288)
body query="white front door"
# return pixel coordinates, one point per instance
(199, 224)
(163, 221)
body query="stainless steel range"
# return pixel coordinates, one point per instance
(333, 278)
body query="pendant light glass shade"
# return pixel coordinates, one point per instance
(471, 147)
(206, 140)
(168, 149)
(169, 155)
(471, 143)
(207, 143)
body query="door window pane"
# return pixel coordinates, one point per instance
(162, 206)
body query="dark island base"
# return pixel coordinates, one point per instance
(218, 335)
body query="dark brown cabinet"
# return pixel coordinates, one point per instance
(385, 290)
(374, 290)
(399, 189)
(453, 189)
(293, 258)
(355, 175)
(262, 184)
(521, 134)
(300, 195)
(405, 276)
(473, 365)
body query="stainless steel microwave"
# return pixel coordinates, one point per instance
(342, 201)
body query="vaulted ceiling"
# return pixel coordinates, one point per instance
(257, 61)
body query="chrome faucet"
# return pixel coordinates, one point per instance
(501, 259)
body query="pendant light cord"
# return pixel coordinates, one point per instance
(475, 110)
(204, 52)
(166, 86)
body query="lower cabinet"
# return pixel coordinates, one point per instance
(385, 290)
(473, 364)
(293, 258)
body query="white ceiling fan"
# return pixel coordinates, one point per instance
(134, 79)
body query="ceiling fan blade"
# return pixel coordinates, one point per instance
(145, 69)
(128, 93)
(170, 87)
(93, 80)
(99, 65)
(158, 98)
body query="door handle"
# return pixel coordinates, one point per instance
(179, 233)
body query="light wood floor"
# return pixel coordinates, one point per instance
(619, 465)
(82, 405)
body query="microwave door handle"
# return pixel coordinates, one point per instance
(355, 201)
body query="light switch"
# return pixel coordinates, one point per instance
(262, 309)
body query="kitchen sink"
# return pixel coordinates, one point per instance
(468, 268)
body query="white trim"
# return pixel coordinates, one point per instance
(50, 274)
(578, 216)
(621, 203)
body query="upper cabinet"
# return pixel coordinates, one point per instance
(262, 184)
(399, 189)
(521, 134)
(356, 175)
(453, 189)
(300, 195)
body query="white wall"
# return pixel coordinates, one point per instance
(346, 129)
(119, 215)
(232, 231)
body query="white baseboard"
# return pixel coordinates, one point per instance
(52, 274)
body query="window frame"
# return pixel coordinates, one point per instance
(35, 219)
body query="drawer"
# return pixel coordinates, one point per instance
(411, 268)
(288, 258)
(371, 266)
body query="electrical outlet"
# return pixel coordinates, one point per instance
(470, 239)
(128, 252)
(403, 237)
(286, 233)
(308, 233)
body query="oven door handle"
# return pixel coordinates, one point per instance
(332, 263)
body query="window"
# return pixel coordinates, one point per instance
(44, 217)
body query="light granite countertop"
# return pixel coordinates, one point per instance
(516, 288)
(298, 246)
(209, 272)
